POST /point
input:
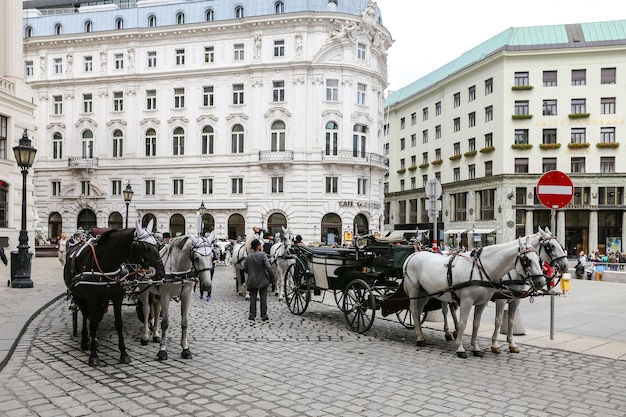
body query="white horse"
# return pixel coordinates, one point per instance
(279, 262)
(463, 276)
(240, 252)
(187, 260)
(551, 251)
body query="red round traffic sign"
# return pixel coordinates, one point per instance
(555, 189)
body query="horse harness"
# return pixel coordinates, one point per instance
(191, 274)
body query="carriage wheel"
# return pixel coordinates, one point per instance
(359, 305)
(297, 289)
(406, 318)
(338, 298)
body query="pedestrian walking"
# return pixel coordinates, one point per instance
(260, 276)
(566, 285)
(62, 247)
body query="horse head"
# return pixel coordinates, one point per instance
(528, 264)
(551, 250)
(202, 257)
(146, 251)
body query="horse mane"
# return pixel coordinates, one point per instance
(179, 242)
(104, 237)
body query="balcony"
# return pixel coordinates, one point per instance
(355, 157)
(271, 158)
(80, 162)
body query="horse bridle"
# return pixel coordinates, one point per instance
(203, 249)
(544, 244)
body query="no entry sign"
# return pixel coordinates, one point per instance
(555, 189)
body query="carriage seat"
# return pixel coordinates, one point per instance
(97, 231)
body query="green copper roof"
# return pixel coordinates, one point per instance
(523, 38)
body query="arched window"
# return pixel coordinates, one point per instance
(58, 29)
(57, 146)
(275, 224)
(177, 225)
(88, 26)
(208, 224)
(118, 144)
(209, 15)
(87, 145)
(237, 139)
(28, 33)
(55, 226)
(119, 23)
(332, 5)
(236, 227)
(152, 21)
(361, 225)
(278, 136)
(150, 142)
(86, 219)
(178, 141)
(115, 220)
(239, 12)
(279, 7)
(208, 137)
(332, 138)
(331, 229)
(146, 219)
(180, 18)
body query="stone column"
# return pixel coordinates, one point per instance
(593, 231)
(560, 226)
(529, 222)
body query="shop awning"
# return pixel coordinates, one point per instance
(454, 231)
(483, 231)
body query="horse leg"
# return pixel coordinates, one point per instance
(513, 305)
(156, 327)
(417, 306)
(465, 308)
(185, 299)
(165, 307)
(84, 333)
(495, 346)
(119, 326)
(478, 312)
(94, 360)
(446, 328)
(146, 306)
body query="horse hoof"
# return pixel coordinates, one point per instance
(125, 359)
(94, 362)
(421, 343)
(495, 350)
(144, 342)
(156, 339)
(514, 349)
(477, 353)
(449, 337)
(461, 355)
(454, 334)
(186, 354)
(84, 346)
(162, 355)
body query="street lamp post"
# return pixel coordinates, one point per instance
(202, 210)
(24, 156)
(128, 196)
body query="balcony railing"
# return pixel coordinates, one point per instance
(276, 157)
(352, 157)
(79, 162)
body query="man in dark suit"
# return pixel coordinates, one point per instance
(260, 276)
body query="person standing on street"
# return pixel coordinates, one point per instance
(260, 276)
(62, 246)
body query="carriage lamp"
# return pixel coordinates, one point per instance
(201, 210)
(24, 156)
(128, 196)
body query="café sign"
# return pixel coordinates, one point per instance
(360, 204)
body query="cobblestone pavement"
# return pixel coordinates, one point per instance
(309, 365)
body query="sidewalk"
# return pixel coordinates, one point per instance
(590, 321)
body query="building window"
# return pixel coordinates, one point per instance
(278, 91)
(607, 105)
(151, 100)
(208, 96)
(238, 94)
(521, 136)
(180, 18)
(578, 135)
(332, 185)
(87, 103)
(332, 138)
(29, 68)
(28, 34)
(178, 141)
(549, 107)
(457, 124)
(360, 94)
(277, 185)
(238, 51)
(85, 188)
(402, 164)
(209, 54)
(360, 51)
(152, 21)
(413, 119)
(471, 93)
(437, 154)
(180, 57)
(362, 186)
(150, 187)
(456, 174)
(488, 113)
(438, 132)
(279, 7)
(118, 144)
(471, 171)
(425, 114)
(459, 204)
(88, 63)
(56, 189)
(471, 144)
(359, 140)
(457, 99)
(209, 16)
(607, 134)
(488, 168)
(487, 200)
(208, 139)
(402, 123)
(116, 187)
(237, 137)
(118, 59)
(402, 189)
(471, 119)
(58, 65)
(548, 164)
(549, 136)
(579, 77)
(608, 75)
(424, 157)
(424, 136)
(119, 23)
(179, 98)
(207, 186)
(332, 90)
(57, 105)
(521, 107)
(277, 136)
(488, 140)
(238, 12)
(385, 149)
(579, 106)
(150, 142)
(413, 183)
(438, 108)
(152, 59)
(578, 165)
(178, 186)
(549, 78)
(488, 86)
(57, 146)
(521, 165)
(87, 144)
(118, 101)
(236, 185)
(610, 195)
(58, 29)
(521, 79)
(279, 47)
(332, 5)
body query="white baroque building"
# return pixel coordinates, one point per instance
(488, 125)
(269, 113)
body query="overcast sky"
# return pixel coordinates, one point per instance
(429, 34)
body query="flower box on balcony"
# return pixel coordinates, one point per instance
(488, 149)
(549, 145)
(577, 145)
(412, 167)
(437, 162)
(522, 87)
(401, 171)
(455, 157)
(578, 115)
(521, 146)
(424, 165)
(607, 145)
(521, 116)
(470, 153)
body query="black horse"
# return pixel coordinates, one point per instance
(95, 275)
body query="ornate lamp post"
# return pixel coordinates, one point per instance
(202, 210)
(128, 196)
(24, 156)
